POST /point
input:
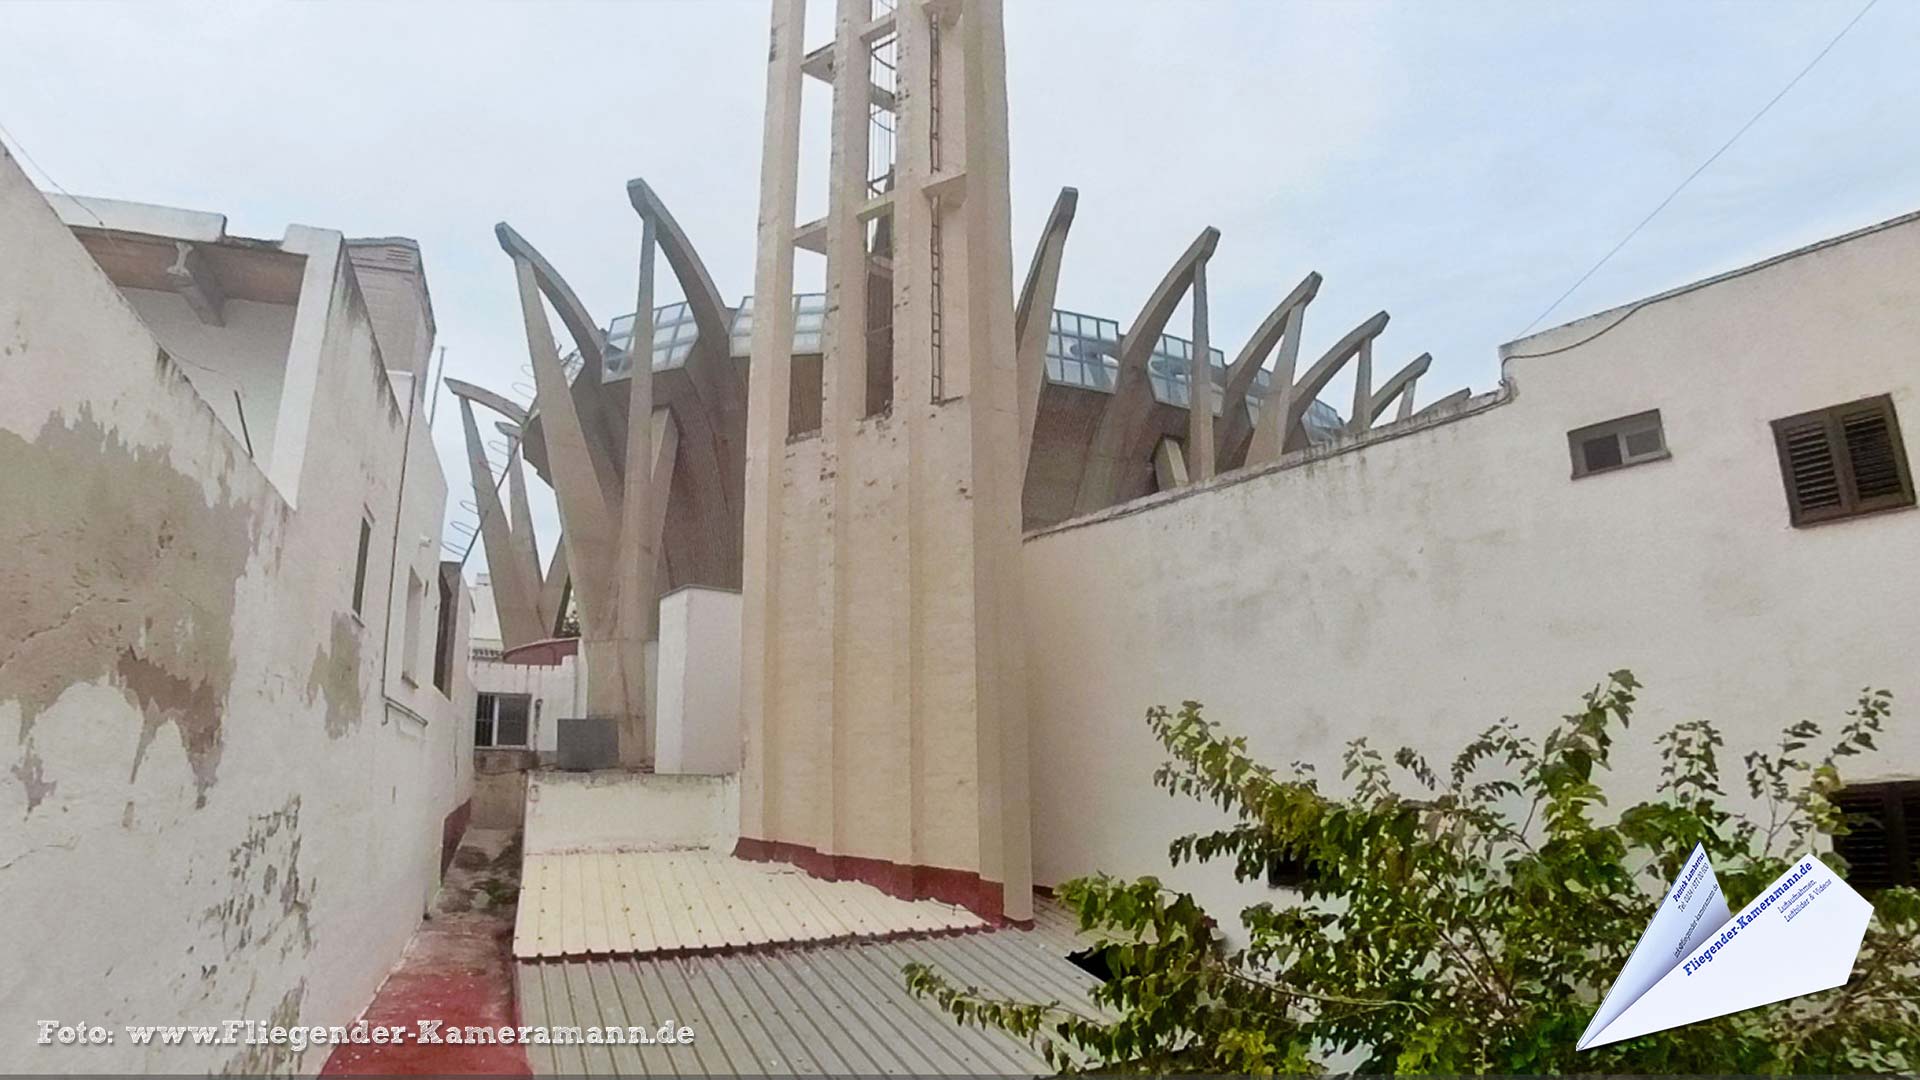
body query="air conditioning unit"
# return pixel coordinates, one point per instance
(587, 742)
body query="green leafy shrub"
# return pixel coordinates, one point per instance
(1469, 923)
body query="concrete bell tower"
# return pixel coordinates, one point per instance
(883, 681)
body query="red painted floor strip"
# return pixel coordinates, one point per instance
(457, 969)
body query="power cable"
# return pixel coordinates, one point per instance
(1715, 156)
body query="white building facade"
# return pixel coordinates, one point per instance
(1708, 487)
(234, 680)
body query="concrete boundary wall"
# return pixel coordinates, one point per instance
(615, 810)
(1436, 576)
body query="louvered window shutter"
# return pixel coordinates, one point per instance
(1873, 454)
(1842, 461)
(1884, 826)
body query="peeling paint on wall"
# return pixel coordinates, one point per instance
(124, 573)
(264, 1058)
(29, 773)
(191, 707)
(265, 889)
(336, 676)
(162, 595)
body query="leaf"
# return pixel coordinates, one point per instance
(1468, 927)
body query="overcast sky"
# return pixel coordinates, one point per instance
(1457, 164)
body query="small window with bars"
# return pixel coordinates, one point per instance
(501, 720)
(1843, 461)
(1616, 444)
(1883, 822)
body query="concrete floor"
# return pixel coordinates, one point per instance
(458, 968)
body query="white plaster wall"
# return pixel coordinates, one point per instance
(697, 692)
(1416, 589)
(555, 690)
(486, 617)
(617, 810)
(215, 811)
(248, 354)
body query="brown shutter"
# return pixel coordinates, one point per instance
(1884, 824)
(1868, 846)
(1844, 460)
(1874, 454)
(1906, 812)
(1807, 462)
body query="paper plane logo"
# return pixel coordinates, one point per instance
(1697, 960)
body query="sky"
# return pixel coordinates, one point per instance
(1457, 164)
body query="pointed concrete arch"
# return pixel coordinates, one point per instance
(1452, 399)
(1122, 427)
(556, 591)
(710, 430)
(586, 335)
(574, 464)
(1033, 315)
(1282, 327)
(588, 404)
(1279, 430)
(710, 313)
(524, 553)
(515, 597)
(1399, 386)
(483, 396)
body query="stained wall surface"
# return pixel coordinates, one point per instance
(897, 749)
(224, 794)
(1422, 584)
(616, 810)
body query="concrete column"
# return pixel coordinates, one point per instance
(916, 217)
(843, 383)
(1199, 453)
(513, 598)
(1361, 418)
(1238, 440)
(526, 553)
(635, 564)
(999, 645)
(589, 528)
(909, 765)
(768, 391)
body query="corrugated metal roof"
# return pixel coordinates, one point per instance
(642, 902)
(806, 1010)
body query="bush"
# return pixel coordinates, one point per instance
(1470, 925)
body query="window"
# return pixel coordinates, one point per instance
(443, 638)
(1616, 444)
(360, 567)
(501, 719)
(1287, 872)
(1843, 461)
(410, 632)
(1885, 822)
